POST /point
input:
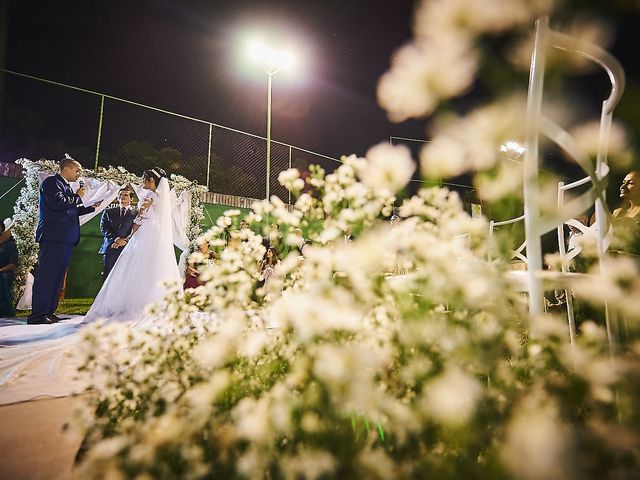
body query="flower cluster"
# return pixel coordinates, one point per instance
(378, 349)
(353, 372)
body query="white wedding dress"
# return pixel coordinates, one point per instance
(37, 363)
(147, 261)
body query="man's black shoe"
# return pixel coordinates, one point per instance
(57, 318)
(41, 320)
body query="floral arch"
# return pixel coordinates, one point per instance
(188, 194)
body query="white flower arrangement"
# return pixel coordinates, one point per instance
(398, 353)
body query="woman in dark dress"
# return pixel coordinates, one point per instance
(8, 263)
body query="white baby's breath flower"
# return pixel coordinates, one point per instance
(587, 137)
(618, 277)
(535, 433)
(253, 217)
(201, 396)
(290, 179)
(388, 167)
(262, 207)
(443, 19)
(304, 203)
(311, 464)
(422, 73)
(507, 180)
(582, 29)
(443, 157)
(251, 461)
(251, 419)
(223, 222)
(451, 398)
(310, 422)
(254, 342)
(378, 463)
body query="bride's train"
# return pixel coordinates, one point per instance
(43, 361)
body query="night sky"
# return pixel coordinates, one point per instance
(187, 57)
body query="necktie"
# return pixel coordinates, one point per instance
(122, 212)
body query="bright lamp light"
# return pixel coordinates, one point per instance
(273, 59)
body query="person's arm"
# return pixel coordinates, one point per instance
(8, 267)
(106, 228)
(142, 215)
(82, 210)
(6, 234)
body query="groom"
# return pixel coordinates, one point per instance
(58, 231)
(116, 224)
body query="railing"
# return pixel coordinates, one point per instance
(228, 200)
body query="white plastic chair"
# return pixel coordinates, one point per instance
(518, 252)
(567, 255)
(536, 224)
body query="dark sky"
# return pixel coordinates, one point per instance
(186, 56)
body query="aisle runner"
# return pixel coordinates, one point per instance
(16, 331)
(12, 329)
(32, 370)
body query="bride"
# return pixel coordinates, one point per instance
(37, 364)
(148, 259)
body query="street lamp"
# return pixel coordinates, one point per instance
(273, 61)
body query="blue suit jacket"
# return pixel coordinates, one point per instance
(59, 211)
(112, 226)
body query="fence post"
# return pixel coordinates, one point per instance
(209, 156)
(95, 166)
(289, 169)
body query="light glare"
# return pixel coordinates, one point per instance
(274, 59)
(513, 150)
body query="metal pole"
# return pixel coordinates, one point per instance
(209, 156)
(95, 166)
(268, 133)
(531, 166)
(289, 169)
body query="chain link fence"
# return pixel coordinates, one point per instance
(40, 118)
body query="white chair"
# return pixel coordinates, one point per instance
(567, 255)
(518, 252)
(537, 224)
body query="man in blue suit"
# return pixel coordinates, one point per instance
(58, 231)
(116, 224)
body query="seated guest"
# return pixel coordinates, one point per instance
(192, 279)
(630, 195)
(627, 217)
(8, 226)
(116, 224)
(8, 263)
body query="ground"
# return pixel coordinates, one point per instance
(70, 306)
(35, 444)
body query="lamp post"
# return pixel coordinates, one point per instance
(273, 61)
(270, 75)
